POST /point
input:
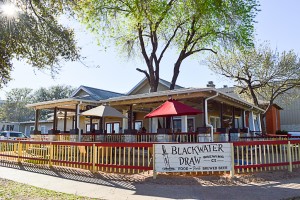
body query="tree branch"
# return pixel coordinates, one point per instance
(169, 42)
(164, 13)
(142, 43)
(144, 72)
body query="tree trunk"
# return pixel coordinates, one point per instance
(153, 80)
(175, 73)
(263, 124)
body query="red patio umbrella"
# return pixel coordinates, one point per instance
(173, 108)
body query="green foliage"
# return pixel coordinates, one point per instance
(52, 93)
(260, 72)
(152, 27)
(49, 94)
(34, 36)
(14, 109)
(281, 132)
(14, 190)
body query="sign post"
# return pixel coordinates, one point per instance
(198, 157)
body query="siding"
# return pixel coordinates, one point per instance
(290, 115)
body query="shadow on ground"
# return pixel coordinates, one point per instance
(261, 185)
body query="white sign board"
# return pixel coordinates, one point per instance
(192, 157)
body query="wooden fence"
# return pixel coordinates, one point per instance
(108, 157)
(253, 156)
(247, 156)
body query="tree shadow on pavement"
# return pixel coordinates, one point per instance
(262, 185)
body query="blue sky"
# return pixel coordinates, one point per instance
(278, 22)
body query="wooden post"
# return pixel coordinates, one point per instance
(73, 119)
(19, 151)
(289, 157)
(204, 115)
(54, 120)
(243, 118)
(94, 158)
(130, 118)
(101, 124)
(51, 155)
(91, 124)
(154, 170)
(221, 115)
(65, 121)
(36, 124)
(233, 117)
(76, 114)
(232, 160)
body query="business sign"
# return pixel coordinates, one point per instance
(192, 157)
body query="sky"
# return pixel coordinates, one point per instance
(277, 22)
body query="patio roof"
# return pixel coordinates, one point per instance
(179, 94)
(67, 104)
(150, 100)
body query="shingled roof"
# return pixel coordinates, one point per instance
(145, 81)
(95, 94)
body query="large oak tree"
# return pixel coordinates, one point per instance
(262, 75)
(14, 109)
(153, 27)
(32, 34)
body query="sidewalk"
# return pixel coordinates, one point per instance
(84, 183)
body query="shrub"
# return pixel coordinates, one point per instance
(281, 132)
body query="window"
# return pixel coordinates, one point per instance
(190, 124)
(177, 125)
(43, 129)
(238, 122)
(138, 125)
(10, 127)
(215, 122)
(113, 127)
(17, 134)
(94, 126)
(3, 134)
(31, 128)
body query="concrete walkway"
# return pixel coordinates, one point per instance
(84, 183)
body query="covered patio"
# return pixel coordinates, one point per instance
(224, 118)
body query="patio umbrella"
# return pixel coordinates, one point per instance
(103, 111)
(173, 108)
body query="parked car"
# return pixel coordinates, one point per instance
(294, 133)
(12, 135)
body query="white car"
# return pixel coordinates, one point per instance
(295, 133)
(12, 135)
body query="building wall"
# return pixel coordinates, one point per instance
(81, 93)
(272, 120)
(6, 126)
(290, 115)
(145, 88)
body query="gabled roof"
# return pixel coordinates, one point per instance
(145, 81)
(94, 94)
(231, 91)
(183, 93)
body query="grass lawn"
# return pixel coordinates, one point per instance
(13, 190)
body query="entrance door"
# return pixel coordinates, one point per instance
(113, 127)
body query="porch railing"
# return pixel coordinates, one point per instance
(108, 157)
(248, 156)
(266, 155)
(139, 137)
